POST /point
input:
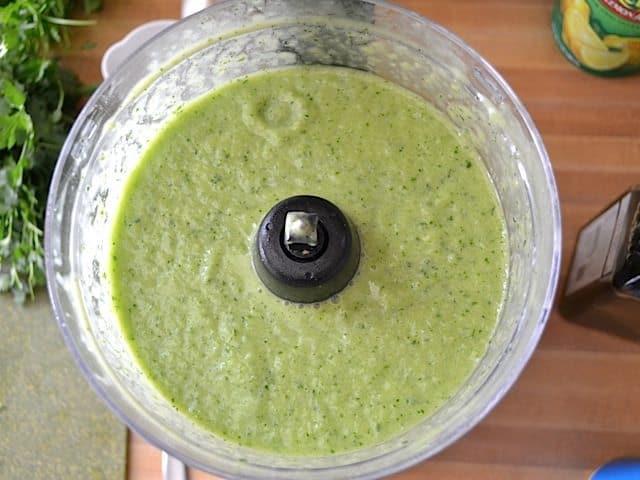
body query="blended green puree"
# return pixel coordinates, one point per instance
(330, 377)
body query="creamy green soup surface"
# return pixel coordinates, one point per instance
(331, 377)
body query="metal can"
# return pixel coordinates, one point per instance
(599, 36)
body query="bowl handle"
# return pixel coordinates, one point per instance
(119, 51)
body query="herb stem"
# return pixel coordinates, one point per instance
(66, 22)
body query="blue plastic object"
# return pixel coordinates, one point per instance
(621, 469)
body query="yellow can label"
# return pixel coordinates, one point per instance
(600, 36)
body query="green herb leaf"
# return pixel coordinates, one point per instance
(38, 102)
(12, 94)
(91, 6)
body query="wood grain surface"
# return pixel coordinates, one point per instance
(577, 404)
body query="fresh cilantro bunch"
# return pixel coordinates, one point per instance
(38, 103)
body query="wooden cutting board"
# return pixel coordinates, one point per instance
(577, 404)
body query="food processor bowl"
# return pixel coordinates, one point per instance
(239, 37)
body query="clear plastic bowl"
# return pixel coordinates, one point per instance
(231, 39)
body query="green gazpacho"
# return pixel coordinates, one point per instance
(329, 377)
